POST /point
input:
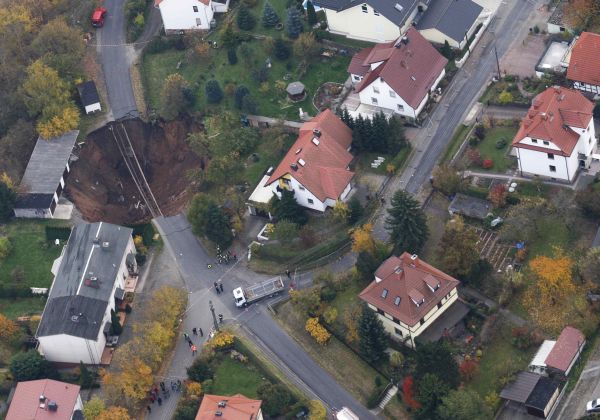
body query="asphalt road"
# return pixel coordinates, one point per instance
(116, 58)
(192, 260)
(459, 97)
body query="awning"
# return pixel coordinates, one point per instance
(445, 322)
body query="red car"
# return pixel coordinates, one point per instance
(98, 17)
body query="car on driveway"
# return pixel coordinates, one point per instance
(593, 406)
(98, 17)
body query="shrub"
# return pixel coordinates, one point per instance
(269, 17)
(480, 131)
(232, 56)
(245, 19)
(317, 331)
(501, 143)
(281, 50)
(487, 164)
(200, 371)
(249, 105)
(474, 157)
(328, 294)
(214, 94)
(54, 232)
(5, 247)
(239, 94)
(294, 25)
(505, 97)
(27, 366)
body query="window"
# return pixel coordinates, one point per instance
(355, 77)
(439, 305)
(552, 168)
(365, 9)
(551, 156)
(397, 301)
(392, 94)
(375, 12)
(198, 22)
(534, 140)
(301, 188)
(374, 101)
(195, 9)
(375, 89)
(400, 108)
(422, 321)
(384, 293)
(396, 320)
(546, 143)
(398, 332)
(380, 312)
(310, 201)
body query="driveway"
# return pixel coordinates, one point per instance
(463, 92)
(116, 58)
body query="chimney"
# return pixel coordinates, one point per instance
(294, 166)
(52, 406)
(219, 413)
(317, 132)
(222, 404)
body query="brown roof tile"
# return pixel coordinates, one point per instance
(565, 349)
(324, 171)
(410, 69)
(26, 400)
(551, 114)
(408, 279)
(584, 65)
(236, 407)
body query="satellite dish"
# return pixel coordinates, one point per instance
(511, 189)
(513, 185)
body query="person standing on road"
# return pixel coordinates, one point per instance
(186, 336)
(194, 331)
(194, 350)
(201, 332)
(149, 409)
(221, 287)
(288, 274)
(159, 401)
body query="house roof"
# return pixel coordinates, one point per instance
(521, 388)
(75, 307)
(396, 11)
(47, 164)
(235, 407)
(295, 88)
(584, 65)
(551, 117)
(88, 93)
(542, 393)
(409, 66)
(566, 349)
(26, 402)
(540, 356)
(406, 277)
(454, 18)
(320, 162)
(470, 206)
(34, 201)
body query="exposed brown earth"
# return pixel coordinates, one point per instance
(101, 187)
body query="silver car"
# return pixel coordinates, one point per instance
(593, 406)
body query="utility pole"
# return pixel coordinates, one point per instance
(497, 62)
(212, 311)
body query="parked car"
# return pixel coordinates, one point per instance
(98, 17)
(593, 406)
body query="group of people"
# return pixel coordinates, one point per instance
(218, 287)
(155, 394)
(187, 337)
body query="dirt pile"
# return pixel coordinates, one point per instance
(101, 187)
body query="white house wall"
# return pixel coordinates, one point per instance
(410, 333)
(64, 348)
(302, 195)
(532, 162)
(93, 108)
(380, 90)
(179, 15)
(354, 23)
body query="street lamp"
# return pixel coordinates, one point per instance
(212, 311)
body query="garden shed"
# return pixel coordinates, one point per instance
(469, 206)
(296, 91)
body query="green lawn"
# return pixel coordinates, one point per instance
(272, 101)
(14, 308)
(553, 233)
(31, 252)
(487, 148)
(455, 142)
(232, 377)
(270, 151)
(499, 359)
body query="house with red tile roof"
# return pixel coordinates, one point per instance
(566, 351)
(188, 15)
(45, 399)
(414, 300)
(316, 167)
(235, 407)
(397, 77)
(584, 65)
(556, 138)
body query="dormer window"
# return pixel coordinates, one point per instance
(546, 143)
(384, 293)
(365, 9)
(417, 297)
(432, 282)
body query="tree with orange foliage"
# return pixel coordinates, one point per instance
(114, 413)
(498, 195)
(582, 14)
(317, 331)
(555, 275)
(8, 329)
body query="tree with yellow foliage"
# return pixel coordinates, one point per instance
(114, 413)
(316, 410)
(555, 275)
(341, 211)
(131, 384)
(362, 239)
(8, 329)
(317, 331)
(66, 120)
(140, 247)
(166, 304)
(193, 390)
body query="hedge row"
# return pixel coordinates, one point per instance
(56, 232)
